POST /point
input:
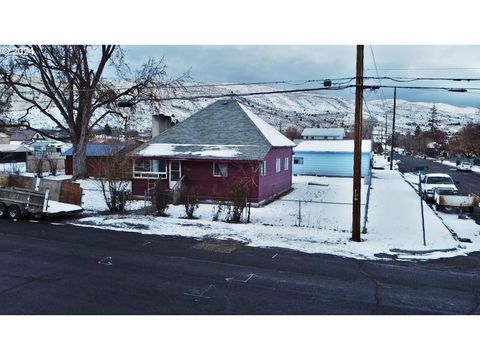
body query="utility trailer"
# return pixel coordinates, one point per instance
(17, 202)
(21, 196)
(446, 198)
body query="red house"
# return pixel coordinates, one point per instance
(219, 146)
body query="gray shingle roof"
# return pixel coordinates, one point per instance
(223, 129)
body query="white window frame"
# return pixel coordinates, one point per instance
(298, 158)
(220, 175)
(150, 174)
(278, 165)
(286, 163)
(263, 168)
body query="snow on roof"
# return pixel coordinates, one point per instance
(439, 175)
(331, 146)
(14, 146)
(195, 150)
(323, 132)
(274, 137)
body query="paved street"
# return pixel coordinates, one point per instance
(52, 268)
(468, 182)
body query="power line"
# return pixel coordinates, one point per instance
(231, 94)
(378, 75)
(432, 69)
(412, 79)
(336, 81)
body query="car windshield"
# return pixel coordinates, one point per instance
(439, 180)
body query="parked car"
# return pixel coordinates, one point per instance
(448, 198)
(464, 166)
(431, 182)
(380, 161)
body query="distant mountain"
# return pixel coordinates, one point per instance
(307, 109)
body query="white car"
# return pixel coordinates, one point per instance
(464, 166)
(431, 182)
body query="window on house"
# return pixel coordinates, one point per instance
(148, 169)
(277, 165)
(286, 163)
(263, 170)
(298, 160)
(220, 170)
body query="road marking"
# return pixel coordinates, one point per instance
(57, 224)
(249, 276)
(33, 221)
(274, 256)
(146, 243)
(105, 262)
(200, 294)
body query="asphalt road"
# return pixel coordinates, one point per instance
(468, 182)
(53, 268)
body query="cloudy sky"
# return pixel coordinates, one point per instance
(217, 64)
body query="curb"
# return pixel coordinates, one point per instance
(421, 252)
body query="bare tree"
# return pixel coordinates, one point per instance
(292, 133)
(67, 84)
(113, 176)
(5, 99)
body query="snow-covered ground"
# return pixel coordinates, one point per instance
(92, 199)
(475, 168)
(322, 208)
(465, 228)
(394, 221)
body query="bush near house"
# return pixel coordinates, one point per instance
(239, 194)
(162, 199)
(189, 199)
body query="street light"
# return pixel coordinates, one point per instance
(125, 104)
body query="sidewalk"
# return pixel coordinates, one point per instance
(395, 220)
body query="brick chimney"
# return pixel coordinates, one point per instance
(160, 123)
(4, 138)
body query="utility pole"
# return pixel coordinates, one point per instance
(357, 151)
(393, 126)
(385, 149)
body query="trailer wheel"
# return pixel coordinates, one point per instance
(471, 209)
(3, 210)
(14, 212)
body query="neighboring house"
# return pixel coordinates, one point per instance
(96, 155)
(222, 145)
(329, 158)
(13, 155)
(323, 134)
(26, 135)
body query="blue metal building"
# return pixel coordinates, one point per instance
(329, 158)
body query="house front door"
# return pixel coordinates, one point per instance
(175, 174)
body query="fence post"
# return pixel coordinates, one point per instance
(145, 203)
(421, 207)
(365, 218)
(299, 213)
